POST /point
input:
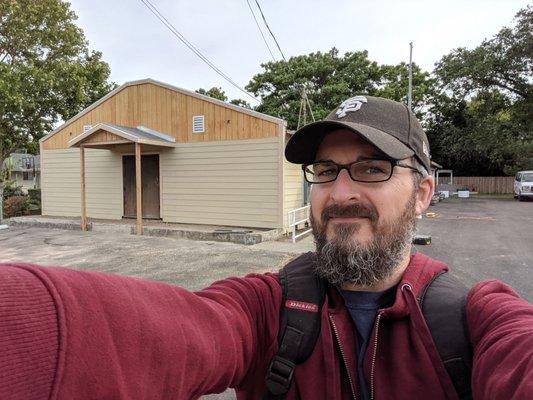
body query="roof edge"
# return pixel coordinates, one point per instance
(74, 142)
(216, 101)
(168, 86)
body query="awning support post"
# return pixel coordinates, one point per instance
(138, 188)
(82, 187)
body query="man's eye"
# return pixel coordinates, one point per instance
(374, 170)
(326, 172)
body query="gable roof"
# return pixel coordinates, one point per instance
(170, 87)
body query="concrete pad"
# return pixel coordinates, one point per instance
(246, 236)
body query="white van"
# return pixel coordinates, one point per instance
(523, 185)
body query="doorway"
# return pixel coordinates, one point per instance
(150, 186)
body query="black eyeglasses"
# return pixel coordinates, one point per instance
(360, 171)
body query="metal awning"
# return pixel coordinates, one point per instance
(104, 135)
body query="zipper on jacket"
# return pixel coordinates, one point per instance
(352, 386)
(376, 328)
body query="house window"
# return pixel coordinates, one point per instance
(198, 124)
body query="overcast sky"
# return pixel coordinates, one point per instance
(137, 45)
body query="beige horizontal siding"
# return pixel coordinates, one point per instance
(60, 182)
(293, 189)
(232, 183)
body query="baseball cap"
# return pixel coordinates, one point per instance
(387, 124)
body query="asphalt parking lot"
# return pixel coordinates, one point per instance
(479, 238)
(482, 238)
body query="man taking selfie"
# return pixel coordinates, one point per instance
(362, 317)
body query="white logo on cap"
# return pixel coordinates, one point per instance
(351, 104)
(425, 149)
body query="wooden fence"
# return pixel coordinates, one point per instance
(483, 184)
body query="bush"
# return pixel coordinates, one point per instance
(14, 206)
(34, 195)
(12, 190)
(33, 202)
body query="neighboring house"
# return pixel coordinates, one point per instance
(203, 161)
(26, 170)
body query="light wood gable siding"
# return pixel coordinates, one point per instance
(103, 137)
(293, 189)
(234, 183)
(61, 183)
(168, 111)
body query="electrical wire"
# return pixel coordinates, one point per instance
(182, 38)
(258, 27)
(268, 27)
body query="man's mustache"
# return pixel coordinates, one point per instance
(352, 210)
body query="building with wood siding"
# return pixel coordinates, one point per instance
(203, 161)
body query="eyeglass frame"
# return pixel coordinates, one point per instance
(394, 163)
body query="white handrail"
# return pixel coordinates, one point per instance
(293, 223)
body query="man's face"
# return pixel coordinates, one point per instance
(369, 225)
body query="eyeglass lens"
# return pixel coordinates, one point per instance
(362, 171)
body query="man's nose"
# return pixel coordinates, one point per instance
(344, 189)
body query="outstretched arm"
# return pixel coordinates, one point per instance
(75, 334)
(501, 331)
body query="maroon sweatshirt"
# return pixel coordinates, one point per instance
(67, 334)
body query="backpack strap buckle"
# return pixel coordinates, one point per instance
(279, 375)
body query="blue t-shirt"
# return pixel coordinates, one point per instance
(363, 307)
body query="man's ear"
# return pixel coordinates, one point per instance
(424, 193)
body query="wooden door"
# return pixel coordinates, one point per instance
(150, 186)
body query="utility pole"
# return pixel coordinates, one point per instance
(410, 89)
(304, 106)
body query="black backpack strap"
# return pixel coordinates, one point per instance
(302, 299)
(443, 305)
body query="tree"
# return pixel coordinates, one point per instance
(214, 92)
(477, 136)
(328, 80)
(504, 63)
(482, 120)
(241, 103)
(47, 73)
(218, 93)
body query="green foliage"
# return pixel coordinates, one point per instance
(481, 123)
(33, 201)
(504, 63)
(34, 195)
(241, 103)
(11, 188)
(328, 80)
(47, 73)
(214, 92)
(480, 136)
(218, 93)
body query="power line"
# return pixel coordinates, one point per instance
(304, 100)
(268, 27)
(258, 27)
(182, 38)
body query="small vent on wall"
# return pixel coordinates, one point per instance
(198, 124)
(86, 128)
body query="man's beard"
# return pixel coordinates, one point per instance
(343, 259)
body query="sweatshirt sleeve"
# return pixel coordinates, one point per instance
(128, 338)
(501, 331)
